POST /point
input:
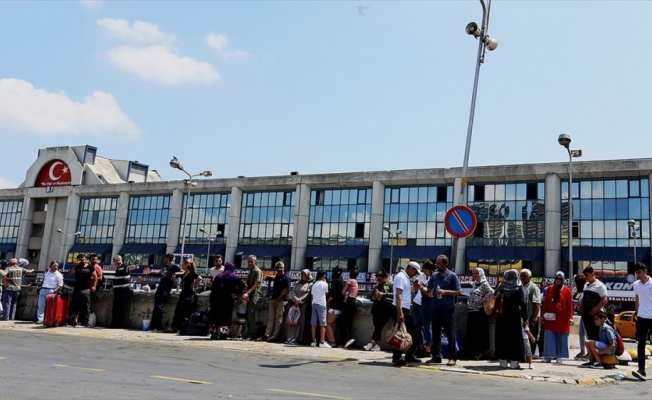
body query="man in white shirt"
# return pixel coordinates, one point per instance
(643, 300)
(318, 317)
(402, 302)
(218, 267)
(52, 283)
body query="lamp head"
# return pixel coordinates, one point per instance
(77, 233)
(398, 232)
(207, 173)
(218, 233)
(473, 30)
(564, 140)
(60, 230)
(174, 163)
(631, 223)
(386, 228)
(202, 230)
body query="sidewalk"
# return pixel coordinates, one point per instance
(569, 372)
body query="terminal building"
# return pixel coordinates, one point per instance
(75, 201)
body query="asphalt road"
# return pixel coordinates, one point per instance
(40, 365)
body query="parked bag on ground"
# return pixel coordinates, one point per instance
(56, 310)
(398, 337)
(294, 313)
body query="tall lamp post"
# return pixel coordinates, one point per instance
(190, 183)
(565, 141)
(209, 237)
(393, 235)
(67, 235)
(634, 228)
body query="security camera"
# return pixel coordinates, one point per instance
(473, 30)
(491, 43)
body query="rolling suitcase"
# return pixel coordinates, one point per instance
(56, 310)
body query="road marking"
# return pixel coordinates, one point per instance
(171, 378)
(84, 368)
(309, 394)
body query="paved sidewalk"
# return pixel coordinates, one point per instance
(569, 372)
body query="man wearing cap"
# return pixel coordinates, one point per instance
(443, 287)
(13, 280)
(402, 302)
(533, 301)
(85, 278)
(52, 283)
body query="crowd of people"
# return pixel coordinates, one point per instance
(422, 296)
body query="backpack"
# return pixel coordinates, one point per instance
(620, 345)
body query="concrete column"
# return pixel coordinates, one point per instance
(120, 227)
(376, 231)
(233, 228)
(25, 228)
(176, 213)
(553, 262)
(458, 249)
(300, 231)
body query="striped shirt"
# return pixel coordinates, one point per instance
(14, 277)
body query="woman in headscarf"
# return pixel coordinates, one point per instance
(301, 298)
(225, 289)
(557, 314)
(512, 320)
(477, 322)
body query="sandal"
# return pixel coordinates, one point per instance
(451, 363)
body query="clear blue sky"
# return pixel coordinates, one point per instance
(264, 88)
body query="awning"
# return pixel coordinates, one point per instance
(498, 253)
(200, 248)
(7, 247)
(265, 250)
(337, 251)
(625, 254)
(97, 248)
(143, 248)
(416, 252)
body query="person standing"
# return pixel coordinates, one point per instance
(227, 286)
(13, 281)
(416, 311)
(510, 323)
(252, 295)
(187, 297)
(168, 277)
(643, 303)
(95, 262)
(52, 283)
(121, 292)
(278, 301)
(381, 310)
(443, 288)
(402, 302)
(85, 281)
(217, 266)
(301, 298)
(335, 303)
(557, 319)
(350, 294)
(594, 297)
(318, 318)
(477, 322)
(533, 301)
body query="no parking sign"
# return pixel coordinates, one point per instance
(460, 221)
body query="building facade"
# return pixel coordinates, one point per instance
(73, 201)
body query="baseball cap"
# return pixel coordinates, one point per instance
(415, 265)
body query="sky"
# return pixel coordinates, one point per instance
(263, 88)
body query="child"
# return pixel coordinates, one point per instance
(241, 312)
(527, 339)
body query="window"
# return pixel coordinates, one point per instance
(97, 219)
(148, 219)
(341, 219)
(10, 213)
(267, 217)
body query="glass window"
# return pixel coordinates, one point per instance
(272, 214)
(10, 214)
(144, 224)
(347, 222)
(96, 216)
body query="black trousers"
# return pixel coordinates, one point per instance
(643, 327)
(121, 300)
(409, 325)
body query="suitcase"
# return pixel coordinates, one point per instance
(56, 310)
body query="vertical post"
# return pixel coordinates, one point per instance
(571, 279)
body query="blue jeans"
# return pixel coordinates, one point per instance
(9, 302)
(442, 319)
(426, 317)
(40, 310)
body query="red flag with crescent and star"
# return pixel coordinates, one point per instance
(54, 173)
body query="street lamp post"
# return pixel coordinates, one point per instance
(634, 228)
(393, 235)
(209, 237)
(61, 249)
(190, 183)
(565, 141)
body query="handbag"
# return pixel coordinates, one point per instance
(398, 337)
(490, 304)
(294, 313)
(550, 316)
(498, 306)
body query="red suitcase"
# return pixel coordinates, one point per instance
(56, 310)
